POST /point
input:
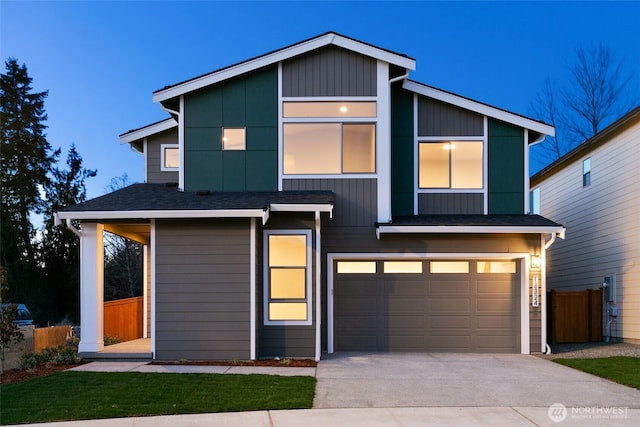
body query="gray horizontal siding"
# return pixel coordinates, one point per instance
(330, 71)
(297, 341)
(202, 290)
(155, 175)
(436, 118)
(451, 203)
(355, 203)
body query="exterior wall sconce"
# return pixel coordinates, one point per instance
(536, 262)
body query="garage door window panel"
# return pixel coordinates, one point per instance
(287, 287)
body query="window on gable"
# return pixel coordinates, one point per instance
(287, 277)
(586, 172)
(450, 164)
(329, 137)
(234, 139)
(169, 158)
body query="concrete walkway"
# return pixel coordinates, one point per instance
(416, 390)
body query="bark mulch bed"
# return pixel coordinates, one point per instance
(292, 363)
(16, 375)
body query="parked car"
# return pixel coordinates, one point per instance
(23, 315)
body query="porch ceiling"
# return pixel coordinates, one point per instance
(138, 231)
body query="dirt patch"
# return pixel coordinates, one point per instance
(293, 363)
(16, 375)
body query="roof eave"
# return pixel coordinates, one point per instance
(470, 229)
(146, 131)
(479, 107)
(281, 55)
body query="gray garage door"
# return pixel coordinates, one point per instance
(425, 311)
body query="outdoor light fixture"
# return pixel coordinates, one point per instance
(536, 262)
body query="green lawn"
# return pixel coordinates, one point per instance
(621, 369)
(89, 395)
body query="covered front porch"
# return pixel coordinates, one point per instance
(139, 349)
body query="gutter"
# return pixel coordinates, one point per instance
(58, 221)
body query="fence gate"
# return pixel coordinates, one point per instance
(576, 316)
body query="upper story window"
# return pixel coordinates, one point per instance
(234, 139)
(586, 172)
(329, 137)
(450, 164)
(169, 158)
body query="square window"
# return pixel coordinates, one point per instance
(234, 139)
(169, 157)
(287, 283)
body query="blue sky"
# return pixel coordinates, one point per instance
(100, 61)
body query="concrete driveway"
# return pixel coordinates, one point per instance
(362, 380)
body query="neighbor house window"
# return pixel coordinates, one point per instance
(287, 283)
(234, 139)
(450, 164)
(169, 158)
(337, 140)
(586, 172)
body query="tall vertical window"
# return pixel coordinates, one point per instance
(586, 172)
(169, 159)
(287, 284)
(450, 164)
(534, 201)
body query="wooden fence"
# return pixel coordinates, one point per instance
(576, 316)
(50, 337)
(123, 318)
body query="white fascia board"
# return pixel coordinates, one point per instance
(479, 107)
(147, 131)
(477, 229)
(282, 55)
(291, 207)
(177, 214)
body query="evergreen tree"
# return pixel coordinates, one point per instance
(27, 160)
(60, 247)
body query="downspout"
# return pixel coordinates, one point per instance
(58, 221)
(180, 141)
(547, 245)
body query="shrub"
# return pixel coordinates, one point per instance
(111, 340)
(29, 360)
(66, 354)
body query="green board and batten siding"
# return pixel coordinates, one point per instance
(506, 168)
(250, 101)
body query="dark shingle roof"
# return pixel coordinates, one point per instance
(159, 197)
(474, 221)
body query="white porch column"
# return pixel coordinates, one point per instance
(91, 288)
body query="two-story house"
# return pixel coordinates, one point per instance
(593, 190)
(314, 199)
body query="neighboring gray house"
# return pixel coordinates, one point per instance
(594, 191)
(314, 200)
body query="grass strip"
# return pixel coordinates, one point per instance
(621, 369)
(67, 396)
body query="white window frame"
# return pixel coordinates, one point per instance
(308, 278)
(163, 168)
(586, 173)
(416, 158)
(244, 147)
(339, 120)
